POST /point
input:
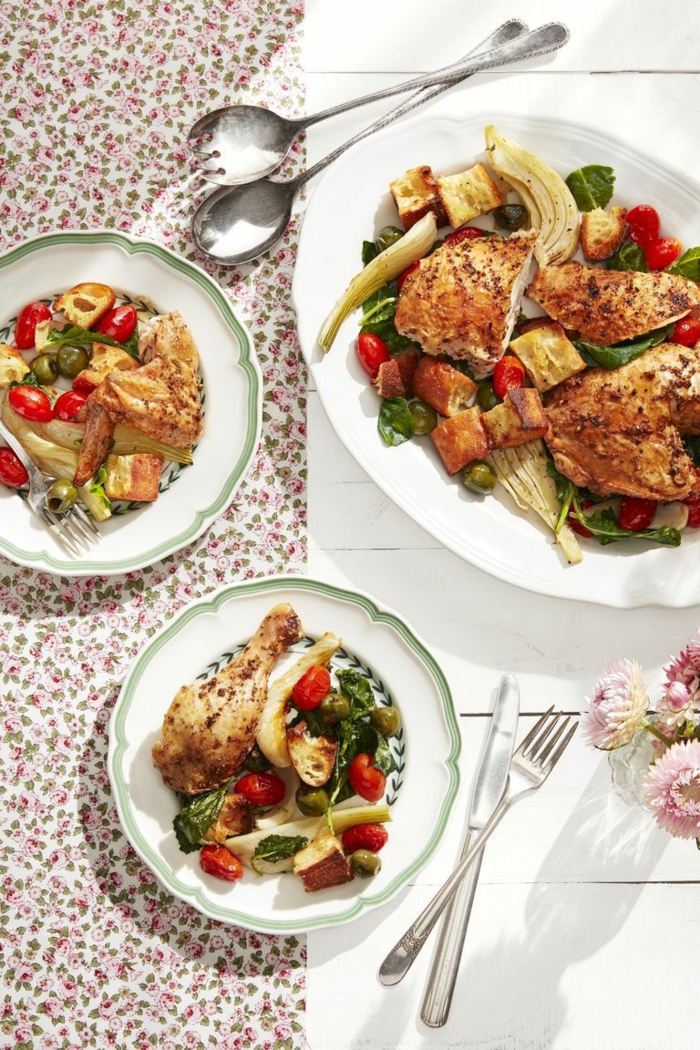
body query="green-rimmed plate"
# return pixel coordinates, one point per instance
(139, 269)
(402, 671)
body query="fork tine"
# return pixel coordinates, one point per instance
(533, 732)
(85, 519)
(52, 522)
(80, 527)
(66, 522)
(542, 756)
(561, 749)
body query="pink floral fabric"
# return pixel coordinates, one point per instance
(96, 103)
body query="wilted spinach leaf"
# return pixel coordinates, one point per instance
(604, 526)
(611, 357)
(591, 186)
(369, 252)
(358, 691)
(395, 423)
(688, 265)
(277, 847)
(196, 817)
(628, 257)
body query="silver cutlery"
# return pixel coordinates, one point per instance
(489, 786)
(235, 224)
(530, 766)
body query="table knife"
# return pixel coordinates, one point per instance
(489, 785)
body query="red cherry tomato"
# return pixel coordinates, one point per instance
(465, 233)
(261, 789)
(573, 522)
(660, 254)
(365, 779)
(644, 224)
(636, 514)
(402, 277)
(372, 352)
(119, 323)
(687, 331)
(693, 506)
(12, 472)
(25, 329)
(311, 688)
(507, 374)
(365, 836)
(68, 406)
(31, 403)
(220, 862)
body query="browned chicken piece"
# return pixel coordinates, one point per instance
(210, 726)
(608, 306)
(463, 299)
(620, 431)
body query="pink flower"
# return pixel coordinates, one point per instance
(682, 693)
(617, 707)
(673, 794)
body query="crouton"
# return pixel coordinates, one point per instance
(527, 324)
(134, 478)
(311, 756)
(547, 355)
(395, 377)
(105, 359)
(461, 439)
(468, 194)
(13, 367)
(86, 303)
(602, 232)
(235, 818)
(415, 194)
(322, 864)
(519, 419)
(443, 387)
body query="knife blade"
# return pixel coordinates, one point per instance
(489, 785)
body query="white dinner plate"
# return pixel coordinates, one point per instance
(351, 204)
(45, 266)
(421, 791)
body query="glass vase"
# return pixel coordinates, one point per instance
(628, 766)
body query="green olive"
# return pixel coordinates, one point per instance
(479, 477)
(365, 864)
(256, 761)
(424, 417)
(313, 802)
(61, 496)
(511, 216)
(387, 236)
(386, 720)
(44, 368)
(71, 360)
(486, 396)
(333, 709)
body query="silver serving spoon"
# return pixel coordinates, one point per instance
(237, 224)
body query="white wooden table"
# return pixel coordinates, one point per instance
(583, 908)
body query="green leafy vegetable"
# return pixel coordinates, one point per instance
(196, 817)
(369, 252)
(566, 490)
(611, 357)
(275, 848)
(692, 447)
(77, 336)
(29, 380)
(591, 186)
(688, 265)
(97, 488)
(629, 256)
(395, 423)
(355, 735)
(358, 691)
(604, 526)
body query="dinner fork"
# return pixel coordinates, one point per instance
(73, 528)
(530, 766)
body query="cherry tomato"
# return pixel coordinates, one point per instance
(261, 789)
(31, 403)
(311, 688)
(660, 254)
(12, 472)
(402, 277)
(507, 374)
(220, 862)
(372, 352)
(25, 329)
(119, 323)
(687, 331)
(69, 405)
(636, 514)
(644, 224)
(365, 779)
(573, 522)
(465, 233)
(365, 836)
(693, 506)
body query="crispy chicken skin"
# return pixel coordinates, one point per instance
(210, 726)
(608, 306)
(620, 431)
(463, 299)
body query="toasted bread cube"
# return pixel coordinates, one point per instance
(311, 756)
(13, 367)
(547, 355)
(461, 439)
(415, 194)
(133, 477)
(443, 387)
(395, 377)
(529, 323)
(105, 359)
(602, 232)
(468, 194)
(86, 303)
(235, 818)
(322, 864)
(519, 419)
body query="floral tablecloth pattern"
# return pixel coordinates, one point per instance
(96, 102)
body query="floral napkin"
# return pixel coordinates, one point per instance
(96, 102)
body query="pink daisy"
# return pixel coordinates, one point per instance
(617, 707)
(682, 687)
(673, 789)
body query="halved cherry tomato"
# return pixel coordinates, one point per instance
(644, 224)
(693, 506)
(31, 403)
(507, 374)
(660, 254)
(365, 836)
(687, 331)
(573, 522)
(29, 317)
(402, 277)
(636, 514)
(261, 789)
(311, 688)
(365, 779)
(12, 472)
(220, 862)
(68, 406)
(372, 352)
(465, 233)
(119, 323)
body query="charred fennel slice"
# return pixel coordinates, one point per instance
(383, 268)
(550, 204)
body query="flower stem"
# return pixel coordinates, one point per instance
(650, 728)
